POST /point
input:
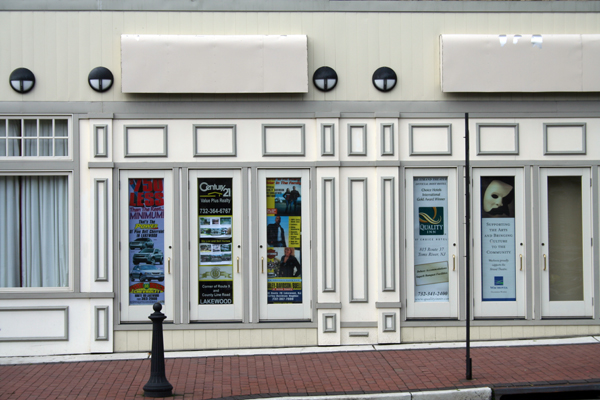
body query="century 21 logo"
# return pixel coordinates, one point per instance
(214, 190)
(431, 220)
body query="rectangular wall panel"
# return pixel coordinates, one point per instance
(101, 330)
(358, 239)
(101, 216)
(388, 237)
(18, 324)
(329, 235)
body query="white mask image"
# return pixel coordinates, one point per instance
(495, 194)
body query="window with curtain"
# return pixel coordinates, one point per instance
(34, 236)
(35, 137)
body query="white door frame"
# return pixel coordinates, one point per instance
(516, 260)
(292, 312)
(224, 311)
(583, 308)
(135, 313)
(433, 309)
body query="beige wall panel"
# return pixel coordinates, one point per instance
(62, 47)
(81, 55)
(40, 66)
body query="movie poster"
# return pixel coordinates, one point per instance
(431, 239)
(284, 239)
(215, 242)
(498, 273)
(146, 242)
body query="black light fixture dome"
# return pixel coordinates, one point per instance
(100, 79)
(22, 80)
(325, 79)
(384, 79)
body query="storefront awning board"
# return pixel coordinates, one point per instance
(214, 64)
(520, 63)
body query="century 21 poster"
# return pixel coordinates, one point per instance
(284, 252)
(215, 242)
(431, 239)
(498, 273)
(146, 241)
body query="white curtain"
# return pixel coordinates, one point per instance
(40, 224)
(14, 131)
(46, 132)
(10, 274)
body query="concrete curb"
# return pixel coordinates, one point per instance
(458, 394)
(15, 360)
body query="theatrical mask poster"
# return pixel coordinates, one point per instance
(498, 273)
(284, 239)
(215, 244)
(146, 241)
(431, 239)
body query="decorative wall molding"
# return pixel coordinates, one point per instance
(358, 239)
(329, 248)
(225, 146)
(101, 216)
(146, 140)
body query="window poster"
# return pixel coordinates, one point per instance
(498, 260)
(284, 233)
(431, 239)
(215, 242)
(146, 241)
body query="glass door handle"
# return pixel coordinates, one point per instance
(453, 262)
(169, 265)
(262, 265)
(238, 265)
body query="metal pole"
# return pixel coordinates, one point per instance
(158, 385)
(468, 245)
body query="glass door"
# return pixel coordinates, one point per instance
(498, 237)
(431, 243)
(284, 270)
(146, 231)
(566, 244)
(215, 255)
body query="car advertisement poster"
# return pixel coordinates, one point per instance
(431, 239)
(146, 242)
(284, 239)
(498, 258)
(215, 244)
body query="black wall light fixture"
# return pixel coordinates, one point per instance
(384, 79)
(325, 79)
(100, 79)
(22, 80)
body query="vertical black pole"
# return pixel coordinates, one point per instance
(468, 244)
(158, 385)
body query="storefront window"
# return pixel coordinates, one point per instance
(34, 137)
(498, 270)
(215, 219)
(565, 238)
(284, 253)
(146, 241)
(431, 239)
(34, 232)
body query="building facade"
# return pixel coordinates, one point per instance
(214, 166)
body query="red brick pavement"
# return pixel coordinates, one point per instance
(240, 377)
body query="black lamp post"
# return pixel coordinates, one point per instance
(158, 385)
(22, 80)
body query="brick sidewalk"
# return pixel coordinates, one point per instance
(258, 376)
